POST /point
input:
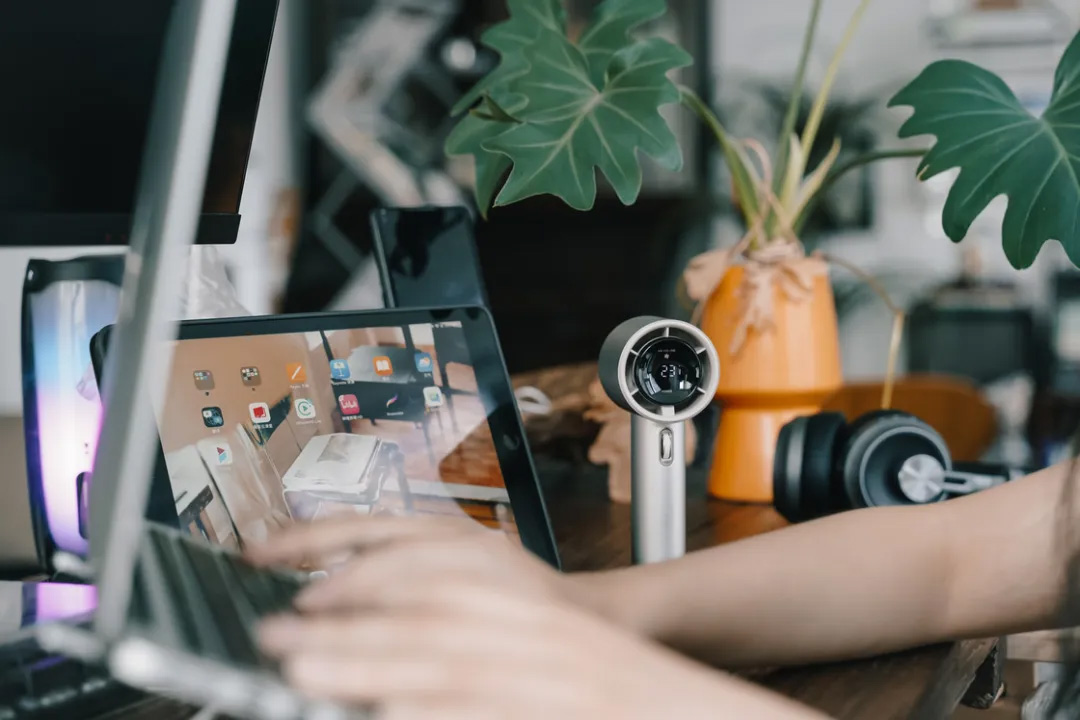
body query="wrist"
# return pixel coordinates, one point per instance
(607, 595)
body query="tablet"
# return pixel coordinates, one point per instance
(271, 420)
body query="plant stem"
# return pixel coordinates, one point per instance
(866, 159)
(788, 128)
(899, 318)
(745, 191)
(693, 101)
(813, 123)
(840, 171)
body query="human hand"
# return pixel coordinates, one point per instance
(381, 560)
(432, 619)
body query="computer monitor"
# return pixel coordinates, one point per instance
(77, 81)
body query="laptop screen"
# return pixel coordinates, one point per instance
(261, 430)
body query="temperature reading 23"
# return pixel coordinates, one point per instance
(668, 371)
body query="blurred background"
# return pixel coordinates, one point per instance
(355, 109)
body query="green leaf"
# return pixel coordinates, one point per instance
(1001, 149)
(610, 30)
(473, 130)
(571, 125)
(789, 187)
(528, 18)
(492, 110)
(813, 182)
(787, 129)
(742, 174)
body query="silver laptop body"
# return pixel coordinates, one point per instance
(174, 615)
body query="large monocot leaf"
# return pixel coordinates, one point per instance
(1002, 149)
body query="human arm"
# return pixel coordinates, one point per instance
(441, 620)
(850, 585)
(860, 583)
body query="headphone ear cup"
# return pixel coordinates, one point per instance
(804, 464)
(825, 433)
(876, 447)
(787, 470)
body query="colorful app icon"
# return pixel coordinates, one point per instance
(349, 405)
(383, 366)
(423, 362)
(250, 376)
(296, 373)
(204, 379)
(339, 370)
(433, 397)
(305, 409)
(224, 454)
(212, 417)
(260, 412)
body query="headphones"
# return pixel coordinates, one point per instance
(823, 465)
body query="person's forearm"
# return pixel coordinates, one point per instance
(856, 584)
(812, 592)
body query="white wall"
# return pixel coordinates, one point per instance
(761, 40)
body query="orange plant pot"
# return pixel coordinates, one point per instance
(777, 375)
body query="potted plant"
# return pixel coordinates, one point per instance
(559, 108)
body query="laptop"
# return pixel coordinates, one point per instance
(175, 612)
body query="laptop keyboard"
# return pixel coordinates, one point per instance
(219, 598)
(38, 685)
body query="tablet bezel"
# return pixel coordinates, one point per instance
(493, 381)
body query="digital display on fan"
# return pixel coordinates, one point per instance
(668, 371)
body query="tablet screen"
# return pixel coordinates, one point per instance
(261, 430)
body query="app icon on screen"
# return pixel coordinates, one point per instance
(349, 405)
(224, 454)
(339, 370)
(433, 397)
(305, 409)
(383, 366)
(296, 373)
(260, 412)
(212, 417)
(423, 362)
(204, 379)
(250, 376)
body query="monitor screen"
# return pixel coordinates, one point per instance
(78, 81)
